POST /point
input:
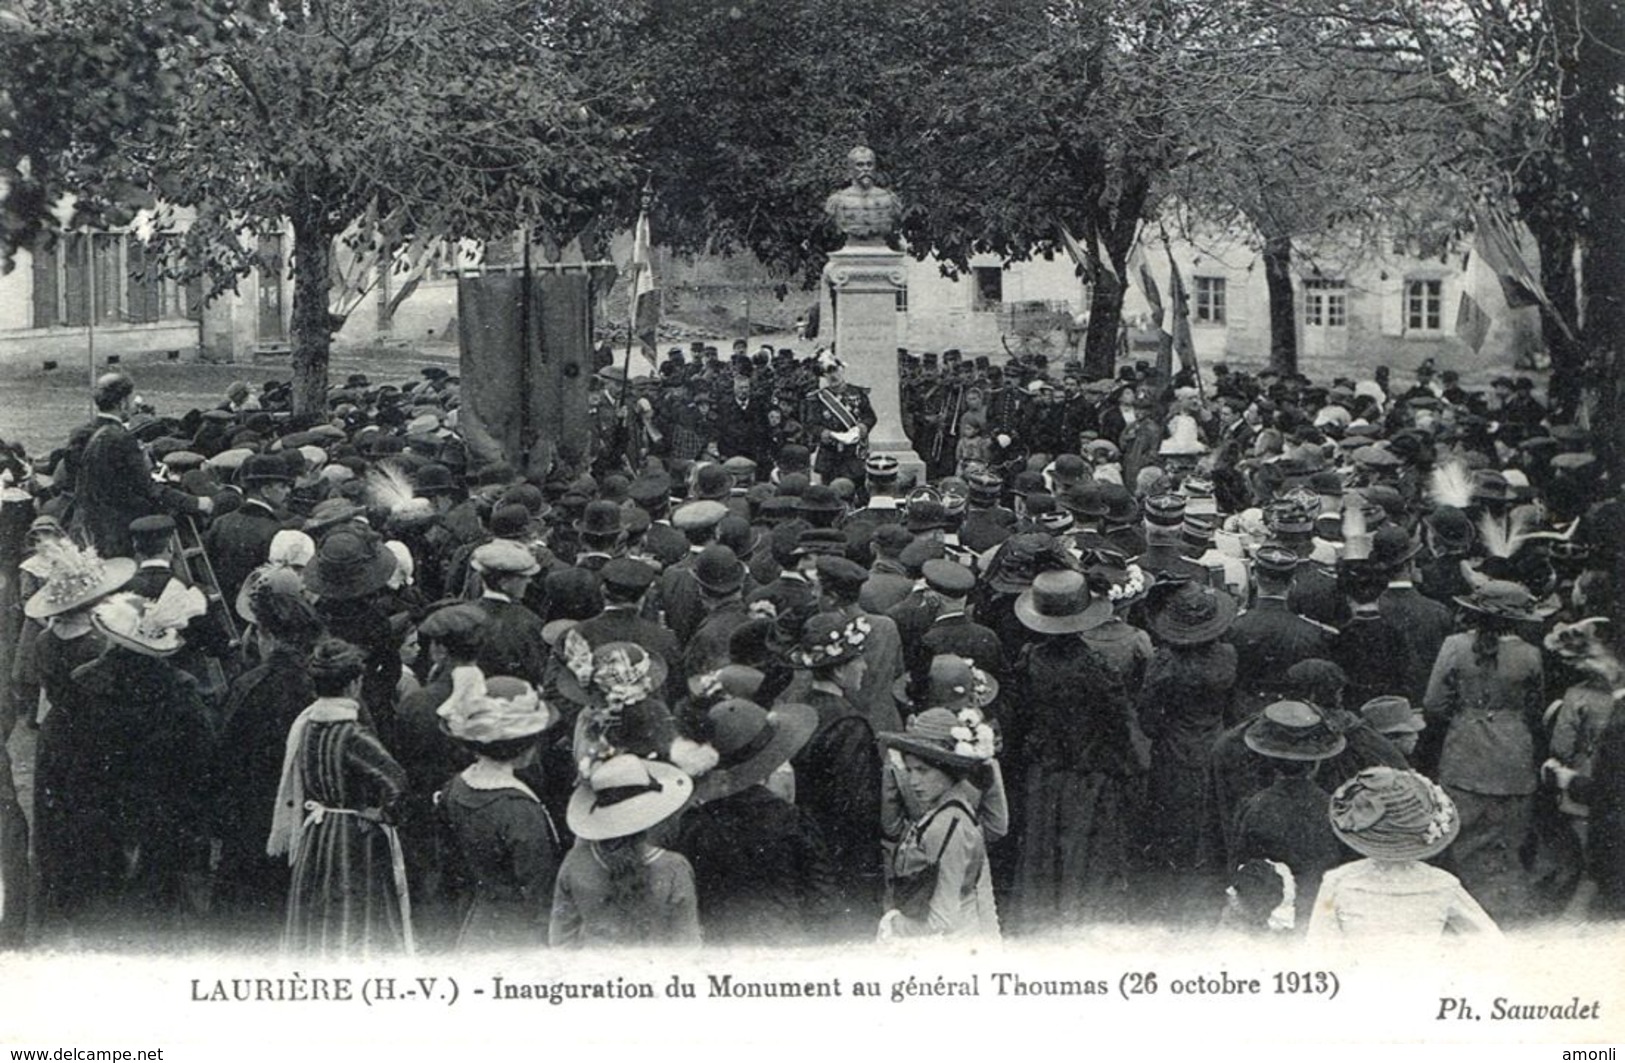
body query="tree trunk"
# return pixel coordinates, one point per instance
(1100, 342)
(1283, 308)
(313, 323)
(1556, 243)
(1117, 224)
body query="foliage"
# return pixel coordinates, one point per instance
(414, 118)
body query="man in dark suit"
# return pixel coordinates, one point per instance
(624, 583)
(986, 523)
(115, 484)
(510, 641)
(952, 630)
(150, 539)
(240, 541)
(1269, 637)
(1422, 622)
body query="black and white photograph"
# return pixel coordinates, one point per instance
(693, 526)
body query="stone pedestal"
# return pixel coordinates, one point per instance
(860, 297)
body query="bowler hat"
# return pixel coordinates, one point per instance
(719, 570)
(601, 518)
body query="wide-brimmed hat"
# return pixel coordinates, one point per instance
(1502, 598)
(483, 711)
(74, 577)
(1292, 730)
(146, 626)
(625, 795)
(1392, 714)
(349, 565)
(1018, 561)
(830, 639)
(751, 742)
(1393, 814)
(1059, 603)
(622, 673)
(1193, 614)
(942, 737)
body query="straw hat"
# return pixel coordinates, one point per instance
(945, 738)
(1292, 730)
(751, 742)
(149, 627)
(625, 795)
(74, 578)
(1059, 603)
(1391, 814)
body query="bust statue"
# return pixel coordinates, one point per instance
(864, 211)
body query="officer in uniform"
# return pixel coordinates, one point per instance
(838, 417)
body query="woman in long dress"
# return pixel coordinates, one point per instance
(1072, 736)
(339, 785)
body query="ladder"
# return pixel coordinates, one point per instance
(192, 560)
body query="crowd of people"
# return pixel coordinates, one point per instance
(1246, 652)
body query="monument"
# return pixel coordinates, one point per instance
(861, 283)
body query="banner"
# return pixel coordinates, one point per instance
(644, 315)
(1472, 323)
(1184, 346)
(1497, 244)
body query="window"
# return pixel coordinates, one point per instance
(989, 291)
(124, 293)
(1424, 305)
(1325, 303)
(1210, 300)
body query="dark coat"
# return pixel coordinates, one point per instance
(1424, 624)
(115, 486)
(511, 641)
(509, 853)
(761, 870)
(239, 542)
(1604, 791)
(616, 624)
(962, 636)
(708, 649)
(138, 807)
(1270, 638)
(248, 768)
(838, 785)
(983, 529)
(1375, 655)
(1288, 822)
